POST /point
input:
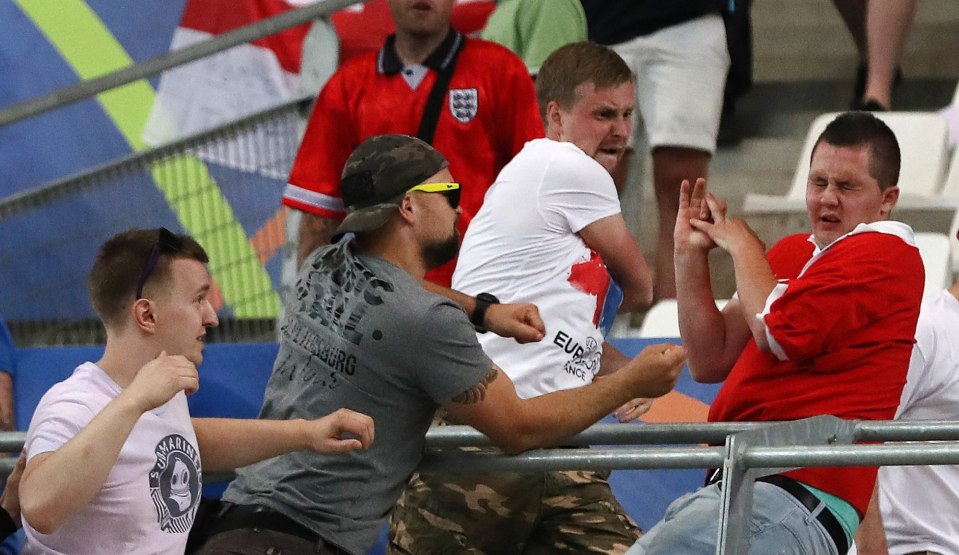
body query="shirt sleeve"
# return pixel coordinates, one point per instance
(56, 421)
(314, 183)
(576, 192)
(849, 287)
(452, 359)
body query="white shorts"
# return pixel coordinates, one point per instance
(680, 75)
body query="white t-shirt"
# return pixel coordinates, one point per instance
(523, 246)
(149, 500)
(920, 504)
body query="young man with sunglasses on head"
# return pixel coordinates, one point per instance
(113, 457)
(363, 332)
(550, 231)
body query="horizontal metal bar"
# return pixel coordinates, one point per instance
(573, 459)
(908, 430)
(12, 442)
(181, 56)
(10, 205)
(638, 434)
(701, 432)
(690, 457)
(888, 454)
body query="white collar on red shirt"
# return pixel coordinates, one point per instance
(889, 227)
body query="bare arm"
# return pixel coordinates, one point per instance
(611, 360)
(520, 321)
(515, 425)
(871, 536)
(10, 499)
(713, 339)
(228, 443)
(315, 231)
(754, 277)
(611, 238)
(57, 484)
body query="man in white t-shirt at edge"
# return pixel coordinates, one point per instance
(113, 457)
(920, 504)
(550, 232)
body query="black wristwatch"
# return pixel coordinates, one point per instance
(483, 300)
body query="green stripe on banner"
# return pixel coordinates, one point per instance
(90, 48)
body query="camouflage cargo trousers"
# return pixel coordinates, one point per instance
(509, 513)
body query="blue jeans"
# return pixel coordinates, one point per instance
(779, 525)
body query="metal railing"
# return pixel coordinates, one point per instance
(170, 60)
(222, 186)
(205, 184)
(751, 449)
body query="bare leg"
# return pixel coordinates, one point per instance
(887, 24)
(671, 165)
(853, 13)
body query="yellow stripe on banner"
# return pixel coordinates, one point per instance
(90, 48)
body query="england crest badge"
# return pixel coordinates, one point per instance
(464, 104)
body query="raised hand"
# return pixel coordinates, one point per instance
(340, 431)
(692, 208)
(655, 370)
(520, 321)
(729, 234)
(162, 378)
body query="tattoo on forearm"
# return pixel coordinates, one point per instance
(477, 393)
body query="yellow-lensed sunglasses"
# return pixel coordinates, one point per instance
(450, 190)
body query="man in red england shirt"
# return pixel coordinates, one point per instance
(487, 114)
(823, 323)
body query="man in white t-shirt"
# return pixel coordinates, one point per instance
(550, 232)
(113, 457)
(919, 503)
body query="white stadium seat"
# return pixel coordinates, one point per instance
(922, 141)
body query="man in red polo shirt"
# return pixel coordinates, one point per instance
(823, 323)
(485, 117)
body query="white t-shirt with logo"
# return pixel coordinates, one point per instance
(523, 246)
(920, 504)
(150, 497)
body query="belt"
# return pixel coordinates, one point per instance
(806, 498)
(233, 517)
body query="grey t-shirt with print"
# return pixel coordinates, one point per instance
(361, 334)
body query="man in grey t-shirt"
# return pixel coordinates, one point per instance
(364, 334)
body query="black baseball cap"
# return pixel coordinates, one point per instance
(377, 175)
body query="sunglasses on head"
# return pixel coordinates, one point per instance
(166, 243)
(450, 190)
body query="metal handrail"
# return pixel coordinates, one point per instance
(765, 448)
(439, 438)
(702, 432)
(181, 56)
(10, 204)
